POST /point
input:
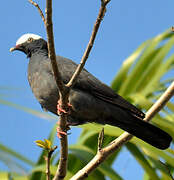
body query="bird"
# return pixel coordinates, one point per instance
(91, 100)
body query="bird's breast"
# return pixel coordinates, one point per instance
(44, 88)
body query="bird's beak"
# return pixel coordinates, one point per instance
(17, 47)
(12, 49)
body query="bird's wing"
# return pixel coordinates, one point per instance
(106, 94)
(87, 82)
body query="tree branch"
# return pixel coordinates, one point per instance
(47, 159)
(63, 95)
(90, 43)
(51, 49)
(62, 166)
(123, 138)
(40, 11)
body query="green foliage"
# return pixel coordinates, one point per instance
(141, 80)
(46, 144)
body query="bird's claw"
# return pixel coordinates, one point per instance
(59, 133)
(60, 110)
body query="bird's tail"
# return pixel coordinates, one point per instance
(145, 131)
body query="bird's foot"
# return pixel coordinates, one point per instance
(60, 110)
(60, 133)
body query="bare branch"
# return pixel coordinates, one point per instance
(90, 43)
(62, 166)
(63, 93)
(51, 47)
(40, 11)
(47, 159)
(123, 138)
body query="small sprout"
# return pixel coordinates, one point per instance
(46, 144)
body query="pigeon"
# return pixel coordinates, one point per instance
(91, 100)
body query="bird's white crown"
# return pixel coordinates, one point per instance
(25, 37)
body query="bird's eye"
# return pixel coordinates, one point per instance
(30, 39)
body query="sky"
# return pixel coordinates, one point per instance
(126, 25)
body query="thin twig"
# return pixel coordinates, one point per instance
(123, 138)
(47, 159)
(90, 43)
(172, 29)
(100, 139)
(47, 168)
(40, 11)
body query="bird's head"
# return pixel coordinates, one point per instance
(29, 43)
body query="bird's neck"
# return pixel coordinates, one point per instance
(37, 47)
(35, 51)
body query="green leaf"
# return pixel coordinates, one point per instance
(170, 106)
(123, 72)
(85, 136)
(4, 175)
(40, 143)
(135, 75)
(21, 178)
(85, 154)
(152, 152)
(163, 168)
(42, 168)
(38, 174)
(142, 161)
(146, 177)
(46, 144)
